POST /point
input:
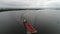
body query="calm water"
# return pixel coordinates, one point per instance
(45, 21)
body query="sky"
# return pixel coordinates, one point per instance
(26, 3)
(53, 4)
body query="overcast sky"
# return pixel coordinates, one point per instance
(26, 3)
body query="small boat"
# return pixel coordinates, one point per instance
(29, 28)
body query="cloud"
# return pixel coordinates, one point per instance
(21, 3)
(53, 4)
(25, 3)
(18, 3)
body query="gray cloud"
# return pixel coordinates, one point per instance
(19, 3)
(53, 4)
(22, 3)
(25, 3)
